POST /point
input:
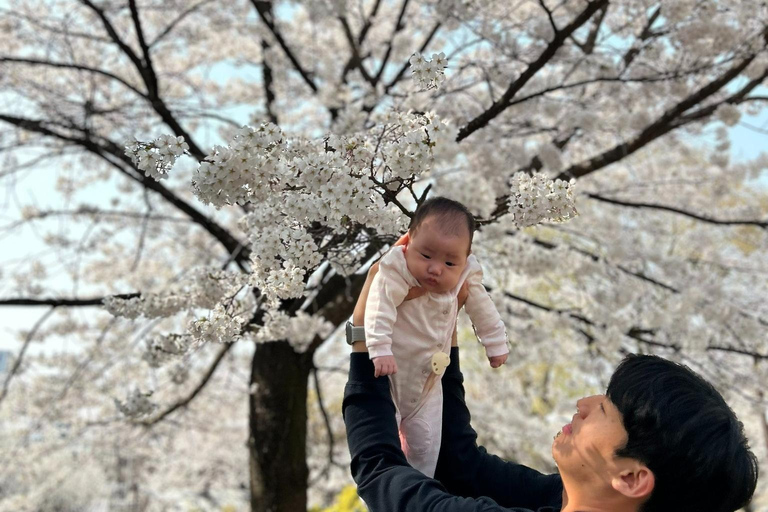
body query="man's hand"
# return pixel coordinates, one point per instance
(384, 365)
(497, 361)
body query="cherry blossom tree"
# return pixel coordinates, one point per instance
(226, 171)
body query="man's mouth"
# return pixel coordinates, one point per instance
(565, 431)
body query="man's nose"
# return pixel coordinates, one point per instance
(584, 405)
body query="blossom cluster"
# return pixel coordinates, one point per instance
(218, 327)
(535, 199)
(413, 152)
(148, 305)
(428, 73)
(327, 184)
(285, 282)
(202, 287)
(156, 158)
(136, 404)
(298, 330)
(166, 348)
(245, 171)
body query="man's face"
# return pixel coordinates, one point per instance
(584, 449)
(435, 259)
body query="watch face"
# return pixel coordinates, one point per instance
(350, 340)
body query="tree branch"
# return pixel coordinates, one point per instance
(355, 60)
(502, 103)
(17, 362)
(633, 52)
(660, 127)
(368, 23)
(110, 148)
(269, 93)
(144, 48)
(702, 218)
(147, 74)
(734, 99)
(127, 50)
(588, 46)
(76, 67)
(549, 16)
(633, 332)
(61, 302)
(324, 413)
(390, 43)
(176, 21)
(596, 258)
(191, 396)
(405, 66)
(264, 9)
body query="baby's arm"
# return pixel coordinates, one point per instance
(388, 290)
(485, 317)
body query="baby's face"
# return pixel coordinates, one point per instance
(435, 259)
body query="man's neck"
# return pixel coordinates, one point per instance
(581, 499)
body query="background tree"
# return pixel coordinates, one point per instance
(263, 245)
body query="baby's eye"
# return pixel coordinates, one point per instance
(427, 257)
(449, 263)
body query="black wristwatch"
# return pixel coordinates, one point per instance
(355, 333)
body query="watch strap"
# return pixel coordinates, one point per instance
(355, 333)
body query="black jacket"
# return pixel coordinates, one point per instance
(467, 477)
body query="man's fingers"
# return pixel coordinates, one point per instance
(414, 293)
(463, 294)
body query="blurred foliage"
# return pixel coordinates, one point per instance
(346, 501)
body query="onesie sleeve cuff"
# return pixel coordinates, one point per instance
(496, 350)
(379, 351)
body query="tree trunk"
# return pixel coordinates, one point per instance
(278, 428)
(278, 405)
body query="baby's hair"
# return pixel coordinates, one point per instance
(453, 217)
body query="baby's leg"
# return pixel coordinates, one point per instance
(420, 432)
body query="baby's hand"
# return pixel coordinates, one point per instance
(497, 361)
(384, 365)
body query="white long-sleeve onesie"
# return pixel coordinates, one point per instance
(413, 331)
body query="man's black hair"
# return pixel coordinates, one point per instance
(452, 215)
(680, 427)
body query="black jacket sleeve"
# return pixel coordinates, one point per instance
(385, 480)
(466, 469)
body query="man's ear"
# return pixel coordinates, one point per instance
(634, 482)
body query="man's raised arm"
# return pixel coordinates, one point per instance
(466, 469)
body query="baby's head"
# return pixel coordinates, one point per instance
(440, 239)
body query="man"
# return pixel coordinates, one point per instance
(661, 439)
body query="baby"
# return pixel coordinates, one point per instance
(410, 340)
